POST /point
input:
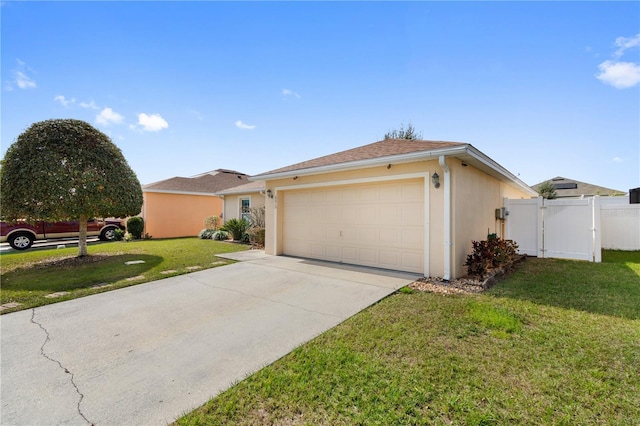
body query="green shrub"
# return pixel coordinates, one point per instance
(491, 253)
(135, 227)
(206, 234)
(220, 235)
(236, 227)
(118, 235)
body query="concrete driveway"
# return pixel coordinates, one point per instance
(147, 354)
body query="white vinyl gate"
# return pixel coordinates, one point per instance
(565, 228)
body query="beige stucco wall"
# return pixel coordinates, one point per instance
(232, 204)
(474, 196)
(177, 215)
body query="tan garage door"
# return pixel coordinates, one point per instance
(377, 224)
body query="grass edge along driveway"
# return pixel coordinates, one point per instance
(555, 343)
(42, 276)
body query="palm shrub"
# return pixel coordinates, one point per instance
(135, 227)
(236, 227)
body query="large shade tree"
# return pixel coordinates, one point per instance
(65, 169)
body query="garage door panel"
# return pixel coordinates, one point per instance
(317, 250)
(377, 224)
(390, 214)
(390, 193)
(389, 236)
(333, 252)
(412, 215)
(411, 260)
(411, 238)
(412, 192)
(389, 259)
(369, 235)
(369, 214)
(369, 256)
(367, 195)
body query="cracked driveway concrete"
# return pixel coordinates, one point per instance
(145, 355)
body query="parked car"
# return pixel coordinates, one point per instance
(21, 234)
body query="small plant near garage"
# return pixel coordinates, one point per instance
(490, 255)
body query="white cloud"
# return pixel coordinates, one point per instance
(620, 75)
(24, 81)
(64, 101)
(152, 123)
(241, 125)
(21, 79)
(625, 43)
(617, 73)
(287, 92)
(89, 105)
(618, 160)
(108, 116)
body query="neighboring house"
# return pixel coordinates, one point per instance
(404, 205)
(238, 201)
(177, 207)
(569, 188)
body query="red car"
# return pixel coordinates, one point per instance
(21, 235)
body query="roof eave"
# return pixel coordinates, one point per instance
(464, 151)
(363, 164)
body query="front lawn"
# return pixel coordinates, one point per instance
(557, 343)
(28, 277)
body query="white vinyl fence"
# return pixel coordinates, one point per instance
(573, 228)
(620, 223)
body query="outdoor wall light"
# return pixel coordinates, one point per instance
(269, 193)
(436, 180)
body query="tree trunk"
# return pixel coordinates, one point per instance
(82, 237)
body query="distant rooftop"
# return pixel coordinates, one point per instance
(204, 183)
(566, 188)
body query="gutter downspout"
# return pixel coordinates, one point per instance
(447, 217)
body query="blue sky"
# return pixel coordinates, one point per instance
(544, 88)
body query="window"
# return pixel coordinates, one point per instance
(245, 208)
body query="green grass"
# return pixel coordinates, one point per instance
(556, 343)
(27, 277)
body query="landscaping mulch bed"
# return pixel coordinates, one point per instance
(465, 285)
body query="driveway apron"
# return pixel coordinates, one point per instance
(147, 354)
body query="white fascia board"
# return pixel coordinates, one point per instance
(246, 191)
(165, 191)
(363, 164)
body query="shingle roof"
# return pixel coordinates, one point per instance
(255, 186)
(385, 148)
(206, 183)
(574, 188)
